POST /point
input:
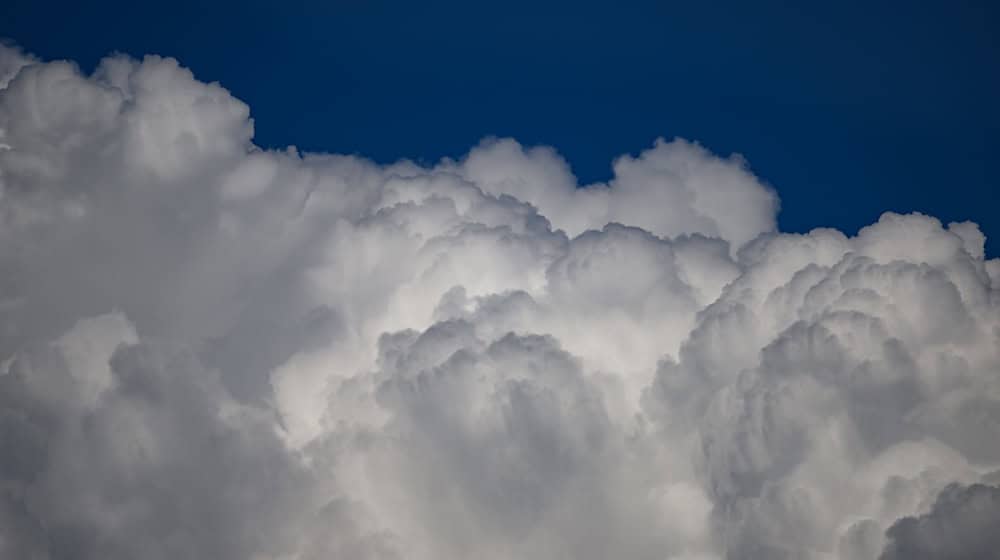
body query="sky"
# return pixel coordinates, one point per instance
(847, 108)
(372, 283)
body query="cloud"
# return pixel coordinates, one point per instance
(208, 349)
(961, 524)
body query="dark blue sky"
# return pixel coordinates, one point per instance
(847, 108)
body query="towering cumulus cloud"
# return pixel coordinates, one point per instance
(211, 350)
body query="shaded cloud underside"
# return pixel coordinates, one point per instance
(209, 350)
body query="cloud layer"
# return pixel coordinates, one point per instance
(210, 350)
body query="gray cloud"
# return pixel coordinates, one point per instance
(212, 350)
(961, 524)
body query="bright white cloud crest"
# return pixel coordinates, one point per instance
(211, 350)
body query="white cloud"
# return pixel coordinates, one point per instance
(213, 350)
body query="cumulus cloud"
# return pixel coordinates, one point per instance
(212, 350)
(961, 524)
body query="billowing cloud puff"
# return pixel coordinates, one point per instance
(211, 350)
(961, 524)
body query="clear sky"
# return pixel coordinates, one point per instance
(847, 108)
